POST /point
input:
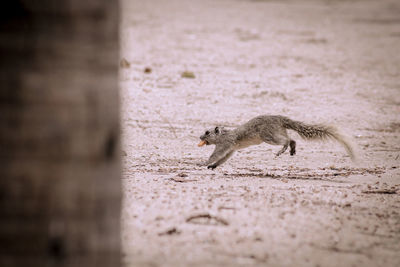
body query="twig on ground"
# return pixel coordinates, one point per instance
(211, 220)
(382, 191)
(182, 180)
(172, 231)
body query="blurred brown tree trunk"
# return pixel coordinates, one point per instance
(59, 133)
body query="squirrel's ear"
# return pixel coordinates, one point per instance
(216, 130)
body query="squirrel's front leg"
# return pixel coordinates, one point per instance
(219, 156)
(219, 162)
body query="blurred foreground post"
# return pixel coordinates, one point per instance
(59, 133)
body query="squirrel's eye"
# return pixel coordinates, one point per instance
(207, 132)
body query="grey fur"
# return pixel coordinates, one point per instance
(269, 129)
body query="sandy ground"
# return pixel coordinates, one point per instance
(335, 62)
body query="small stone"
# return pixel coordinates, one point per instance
(188, 74)
(124, 63)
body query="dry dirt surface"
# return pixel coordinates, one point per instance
(190, 65)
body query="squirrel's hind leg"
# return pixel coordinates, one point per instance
(285, 146)
(281, 139)
(292, 144)
(278, 136)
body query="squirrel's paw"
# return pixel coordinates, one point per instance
(212, 167)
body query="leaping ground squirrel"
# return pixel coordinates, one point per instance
(268, 129)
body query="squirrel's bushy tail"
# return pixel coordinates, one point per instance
(319, 132)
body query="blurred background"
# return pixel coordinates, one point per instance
(59, 133)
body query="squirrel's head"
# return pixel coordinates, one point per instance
(211, 136)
